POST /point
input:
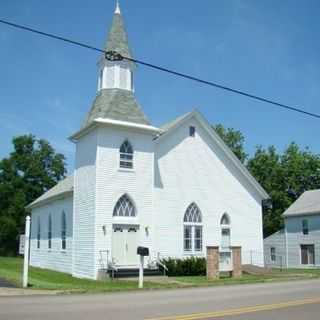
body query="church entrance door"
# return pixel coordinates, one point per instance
(124, 245)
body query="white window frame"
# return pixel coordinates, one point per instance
(129, 162)
(191, 214)
(225, 226)
(123, 207)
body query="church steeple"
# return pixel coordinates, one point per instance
(117, 74)
(115, 98)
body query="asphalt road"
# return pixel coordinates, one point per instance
(293, 301)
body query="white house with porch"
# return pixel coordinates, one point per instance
(174, 189)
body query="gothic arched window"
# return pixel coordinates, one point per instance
(126, 155)
(225, 231)
(124, 208)
(192, 231)
(225, 220)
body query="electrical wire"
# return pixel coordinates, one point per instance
(115, 56)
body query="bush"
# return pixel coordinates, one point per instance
(192, 266)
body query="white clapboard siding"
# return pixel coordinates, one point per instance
(194, 169)
(84, 206)
(113, 182)
(54, 258)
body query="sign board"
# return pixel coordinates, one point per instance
(21, 244)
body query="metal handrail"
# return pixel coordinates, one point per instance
(158, 261)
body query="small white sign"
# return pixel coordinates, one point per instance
(21, 244)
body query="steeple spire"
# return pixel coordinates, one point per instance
(117, 37)
(118, 11)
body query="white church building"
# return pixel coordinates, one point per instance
(174, 189)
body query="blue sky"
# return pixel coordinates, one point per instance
(269, 48)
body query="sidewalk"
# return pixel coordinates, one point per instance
(7, 292)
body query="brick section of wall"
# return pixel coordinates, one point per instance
(212, 262)
(237, 263)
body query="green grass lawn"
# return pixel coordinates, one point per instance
(11, 269)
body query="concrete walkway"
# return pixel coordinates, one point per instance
(12, 292)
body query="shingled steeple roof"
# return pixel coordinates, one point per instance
(118, 38)
(115, 97)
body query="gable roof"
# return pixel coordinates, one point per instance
(116, 104)
(61, 189)
(171, 126)
(307, 203)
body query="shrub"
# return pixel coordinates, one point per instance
(192, 266)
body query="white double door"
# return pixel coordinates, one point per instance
(124, 245)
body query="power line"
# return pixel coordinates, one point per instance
(114, 56)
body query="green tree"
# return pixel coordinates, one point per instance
(234, 140)
(285, 177)
(31, 169)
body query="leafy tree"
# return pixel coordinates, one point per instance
(234, 139)
(31, 169)
(285, 177)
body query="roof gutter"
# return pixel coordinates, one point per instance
(111, 122)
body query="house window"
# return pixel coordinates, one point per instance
(305, 226)
(63, 231)
(273, 254)
(131, 80)
(192, 131)
(124, 208)
(307, 254)
(38, 234)
(50, 232)
(225, 231)
(126, 155)
(192, 235)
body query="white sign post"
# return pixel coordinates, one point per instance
(26, 253)
(141, 272)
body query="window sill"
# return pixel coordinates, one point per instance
(126, 170)
(193, 254)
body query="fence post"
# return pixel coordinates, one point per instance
(26, 254)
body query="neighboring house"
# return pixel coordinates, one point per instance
(174, 189)
(298, 245)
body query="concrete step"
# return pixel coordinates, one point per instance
(255, 270)
(133, 273)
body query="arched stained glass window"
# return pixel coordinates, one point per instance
(126, 155)
(124, 207)
(225, 220)
(193, 214)
(225, 231)
(192, 234)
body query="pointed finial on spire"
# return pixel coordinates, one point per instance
(118, 11)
